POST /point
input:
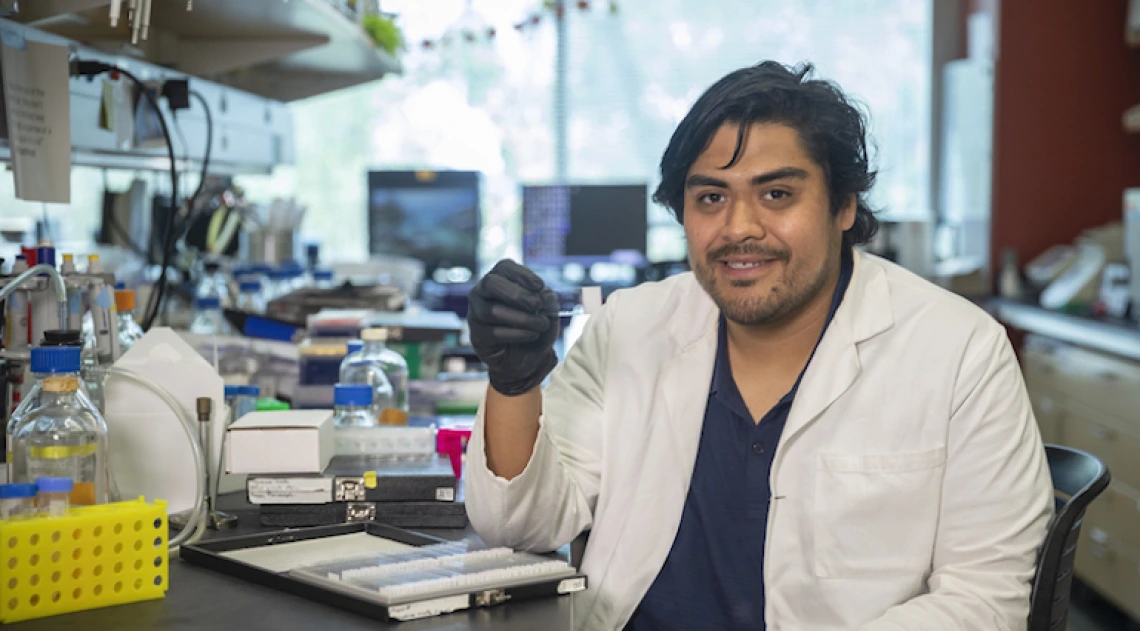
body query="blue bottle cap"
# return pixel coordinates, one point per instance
(352, 394)
(249, 286)
(54, 485)
(45, 255)
(322, 274)
(232, 391)
(12, 491)
(354, 346)
(47, 360)
(208, 302)
(250, 391)
(280, 274)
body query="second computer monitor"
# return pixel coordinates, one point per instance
(584, 223)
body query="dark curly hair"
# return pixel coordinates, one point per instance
(832, 129)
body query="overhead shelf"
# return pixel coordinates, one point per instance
(276, 49)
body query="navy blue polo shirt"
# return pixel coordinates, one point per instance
(713, 578)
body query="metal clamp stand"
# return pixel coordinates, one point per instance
(215, 520)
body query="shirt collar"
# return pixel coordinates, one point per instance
(722, 381)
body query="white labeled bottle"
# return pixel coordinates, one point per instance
(64, 436)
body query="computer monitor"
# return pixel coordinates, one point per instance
(585, 224)
(432, 216)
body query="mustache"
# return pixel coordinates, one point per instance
(747, 249)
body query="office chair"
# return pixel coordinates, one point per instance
(1078, 478)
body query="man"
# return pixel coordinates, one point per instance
(796, 436)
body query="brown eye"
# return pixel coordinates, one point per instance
(711, 198)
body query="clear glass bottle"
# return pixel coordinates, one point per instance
(323, 279)
(276, 285)
(64, 436)
(353, 406)
(208, 317)
(129, 331)
(366, 369)
(212, 284)
(88, 386)
(242, 400)
(249, 297)
(393, 364)
(353, 348)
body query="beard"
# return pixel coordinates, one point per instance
(771, 300)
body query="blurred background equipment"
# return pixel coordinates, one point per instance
(252, 187)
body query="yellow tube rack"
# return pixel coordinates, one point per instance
(96, 556)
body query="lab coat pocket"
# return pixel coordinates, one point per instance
(875, 515)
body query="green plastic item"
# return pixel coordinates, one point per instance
(456, 408)
(271, 405)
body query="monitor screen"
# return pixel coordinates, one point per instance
(432, 216)
(586, 224)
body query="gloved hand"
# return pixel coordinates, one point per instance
(513, 317)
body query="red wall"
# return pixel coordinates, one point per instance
(1062, 159)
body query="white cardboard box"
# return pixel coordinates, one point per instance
(286, 441)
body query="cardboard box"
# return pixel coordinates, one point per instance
(288, 441)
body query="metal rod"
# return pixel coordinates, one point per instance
(56, 283)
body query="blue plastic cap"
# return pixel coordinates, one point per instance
(54, 485)
(232, 391)
(120, 285)
(280, 274)
(323, 274)
(352, 394)
(47, 360)
(249, 286)
(11, 491)
(45, 255)
(208, 302)
(354, 346)
(250, 391)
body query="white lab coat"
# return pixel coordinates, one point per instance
(910, 487)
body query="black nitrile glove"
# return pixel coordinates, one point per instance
(513, 317)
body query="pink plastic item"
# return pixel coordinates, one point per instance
(453, 442)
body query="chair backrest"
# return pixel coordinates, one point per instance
(1078, 478)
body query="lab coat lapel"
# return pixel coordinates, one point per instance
(864, 313)
(686, 378)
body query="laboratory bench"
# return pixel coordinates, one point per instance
(204, 599)
(1083, 379)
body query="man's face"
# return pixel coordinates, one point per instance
(762, 240)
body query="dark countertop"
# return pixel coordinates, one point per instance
(204, 599)
(1108, 335)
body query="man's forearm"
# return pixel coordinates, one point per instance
(511, 426)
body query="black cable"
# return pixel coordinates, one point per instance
(87, 68)
(209, 147)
